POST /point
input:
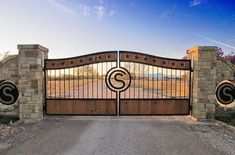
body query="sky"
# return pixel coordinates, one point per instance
(165, 28)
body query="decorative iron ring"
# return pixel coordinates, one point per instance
(118, 79)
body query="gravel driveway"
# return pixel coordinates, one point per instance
(123, 136)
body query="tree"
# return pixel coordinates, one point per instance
(3, 55)
(220, 53)
(229, 57)
(86, 71)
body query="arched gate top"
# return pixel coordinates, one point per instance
(124, 56)
(106, 56)
(129, 56)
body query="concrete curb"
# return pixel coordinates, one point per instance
(17, 123)
(230, 127)
(192, 118)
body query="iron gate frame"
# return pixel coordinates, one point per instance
(71, 99)
(118, 94)
(189, 68)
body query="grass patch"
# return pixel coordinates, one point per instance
(8, 119)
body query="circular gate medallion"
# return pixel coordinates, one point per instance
(225, 94)
(118, 79)
(9, 93)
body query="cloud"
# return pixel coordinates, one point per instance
(86, 10)
(99, 11)
(215, 41)
(194, 3)
(61, 6)
(232, 39)
(101, 1)
(111, 13)
(166, 15)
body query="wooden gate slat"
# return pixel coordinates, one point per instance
(81, 107)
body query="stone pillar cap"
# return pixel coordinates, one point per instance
(202, 48)
(32, 46)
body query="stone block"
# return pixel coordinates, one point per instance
(35, 97)
(34, 67)
(34, 84)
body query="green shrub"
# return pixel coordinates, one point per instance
(8, 119)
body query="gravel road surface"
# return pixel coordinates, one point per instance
(161, 135)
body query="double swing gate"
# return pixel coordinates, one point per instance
(117, 83)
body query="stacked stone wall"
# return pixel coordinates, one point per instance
(208, 72)
(225, 71)
(26, 71)
(9, 71)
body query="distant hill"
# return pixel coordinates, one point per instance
(160, 75)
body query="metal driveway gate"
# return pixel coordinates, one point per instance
(117, 82)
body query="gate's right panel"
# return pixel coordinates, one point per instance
(159, 86)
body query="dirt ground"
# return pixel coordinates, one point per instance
(145, 135)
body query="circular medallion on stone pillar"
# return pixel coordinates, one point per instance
(9, 95)
(225, 94)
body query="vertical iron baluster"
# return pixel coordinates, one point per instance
(106, 73)
(131, 77)
(111, 90)
(139, 82)
(176, 81)
(102, 80)
(97, 67)
(162, 84)
(92, 82)
(185, 78)
(78, 87)
(143, 80)
(171, 83)
(87, 80)
(190, 84)
(148, 81)
(68, 76)
(134, 79)
(180, 83)
(166, 82)
(83, 75)
(124, 65)
(64, 83)
(157, 81)
(73, 83)
(152, 81)
(60, 83)
(50, 83)
(55, 84)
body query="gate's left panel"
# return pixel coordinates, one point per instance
(76, 86)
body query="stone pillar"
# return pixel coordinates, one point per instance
(203, 81)
(31, 81)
